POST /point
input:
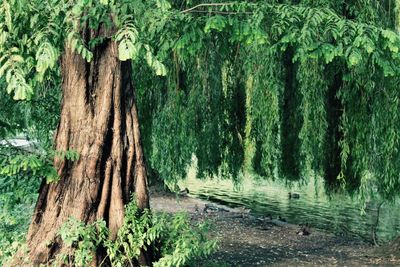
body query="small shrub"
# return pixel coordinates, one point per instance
(75, 234)
(174, 240)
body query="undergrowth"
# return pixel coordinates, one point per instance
(17, 199)
(174, 240)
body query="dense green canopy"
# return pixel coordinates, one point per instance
(282, 88)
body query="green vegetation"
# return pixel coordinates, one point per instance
(175, 240)
(172, 238)
(284, 89)
(18, 195)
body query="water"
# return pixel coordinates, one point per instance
(337, 213)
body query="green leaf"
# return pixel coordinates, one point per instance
(215, 23)
(390, 35)
(164, 5)
(127, 50)
(159, 68)
(354, 58)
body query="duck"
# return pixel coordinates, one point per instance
(304, 230)
(281, 219)
(183, 193)
(294, 195)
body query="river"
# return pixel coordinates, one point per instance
(335, 213)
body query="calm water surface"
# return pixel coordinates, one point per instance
(338, 213)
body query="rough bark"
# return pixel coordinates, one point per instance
(99, 120)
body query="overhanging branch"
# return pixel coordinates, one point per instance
(207, 5)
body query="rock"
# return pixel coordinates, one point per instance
(264, 218)
(278, 222)
(213, 208)
(243, 210)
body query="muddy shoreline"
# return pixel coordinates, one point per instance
(248, 240)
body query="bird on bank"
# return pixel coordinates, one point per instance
(293, 195)
(183, 193)
(304, 230)
(281, 219)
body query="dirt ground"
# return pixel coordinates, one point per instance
(246, 240)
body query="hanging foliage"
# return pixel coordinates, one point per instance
(294, 87)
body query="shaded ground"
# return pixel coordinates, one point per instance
(245, 240)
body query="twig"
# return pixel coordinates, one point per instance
(103, 261)
(237, 53)
(375, 226)
(355, 233)
(205, 5)
(220, 12)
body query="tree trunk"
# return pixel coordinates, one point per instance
(99, 120)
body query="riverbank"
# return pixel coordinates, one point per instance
(246, 240)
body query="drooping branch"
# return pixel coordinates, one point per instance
(397, 16)
(207, 5)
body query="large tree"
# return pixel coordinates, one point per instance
(99, 117)
(270, 84)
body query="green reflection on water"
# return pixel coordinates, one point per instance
(336, 213)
